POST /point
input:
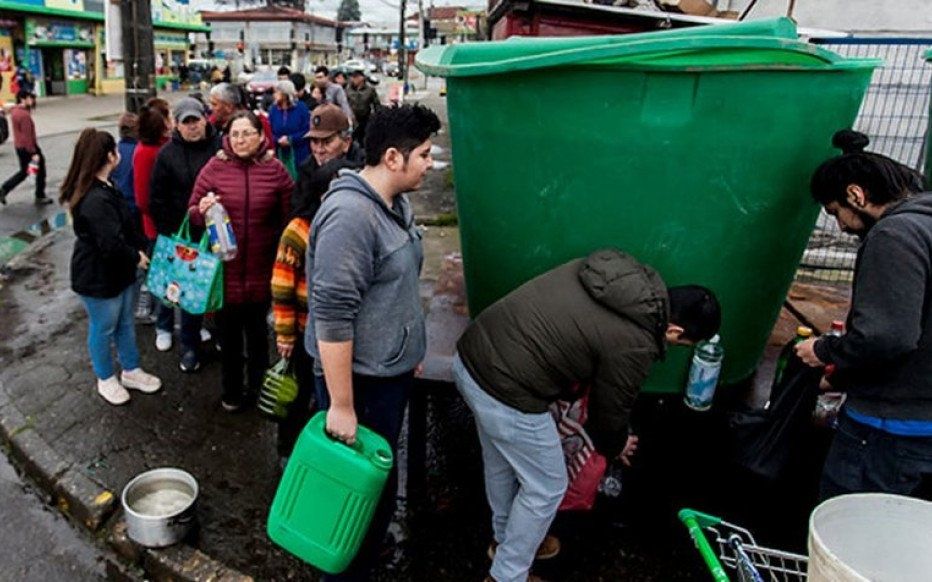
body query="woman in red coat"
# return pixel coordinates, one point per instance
(154, 127)
(255, 190)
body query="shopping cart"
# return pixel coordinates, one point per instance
(738, 550)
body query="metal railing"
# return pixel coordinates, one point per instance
(895, 116)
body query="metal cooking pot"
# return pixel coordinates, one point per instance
(159, 506)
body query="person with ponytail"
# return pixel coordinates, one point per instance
(107, 252)
(884, 361)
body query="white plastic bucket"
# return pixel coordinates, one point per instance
(872, 537)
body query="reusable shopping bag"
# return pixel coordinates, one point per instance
(286, 157)
(185, 274)
(584, 465)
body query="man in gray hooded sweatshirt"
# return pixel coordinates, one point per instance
(884, 361)
(365, 324)
(598, 322)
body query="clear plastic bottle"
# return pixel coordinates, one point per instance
(610, 486)
(220, 231)
(703, 374)
(829, 403)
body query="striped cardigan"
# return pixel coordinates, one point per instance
(289, 282)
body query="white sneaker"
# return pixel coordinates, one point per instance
(205, 335)
(112, 391)
(163, 340)
(139, 380)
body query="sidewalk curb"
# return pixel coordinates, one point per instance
(93, 504)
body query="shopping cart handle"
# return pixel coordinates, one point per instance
(694, 522)
(702, 519)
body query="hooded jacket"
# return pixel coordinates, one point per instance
(596, 322)
(176, 168)
(363, 264)
(256, 194)
(884, 360)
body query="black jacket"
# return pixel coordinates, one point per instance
(314, 180)
(884, 360)
(106, 251)
(176, 168)
(598, 322)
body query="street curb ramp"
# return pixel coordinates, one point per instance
(93, 504)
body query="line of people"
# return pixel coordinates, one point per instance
(337, 258)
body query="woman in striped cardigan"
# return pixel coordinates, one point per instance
(289, 296)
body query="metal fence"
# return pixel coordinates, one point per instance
(895, 114)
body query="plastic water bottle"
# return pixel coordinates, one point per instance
(220, 231)
(829, 404)
(610, 486)
(703, 374)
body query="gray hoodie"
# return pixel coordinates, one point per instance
(884, 361)
(363, 265)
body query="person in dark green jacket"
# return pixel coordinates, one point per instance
(599, 322)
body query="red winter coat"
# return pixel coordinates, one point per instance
(143, 161)
(256, 194)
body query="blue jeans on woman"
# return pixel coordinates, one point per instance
(111, 321)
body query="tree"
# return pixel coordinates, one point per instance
(349, 11)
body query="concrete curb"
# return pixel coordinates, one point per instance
(92, 504)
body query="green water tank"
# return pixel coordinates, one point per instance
(690, 149)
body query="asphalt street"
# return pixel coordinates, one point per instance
(38, 543)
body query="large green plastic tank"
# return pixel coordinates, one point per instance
(690, 149)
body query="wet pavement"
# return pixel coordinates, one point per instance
(39, 545)
(45, 375)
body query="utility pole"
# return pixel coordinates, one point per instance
(422, 34)
(138, 53)
(402, 54)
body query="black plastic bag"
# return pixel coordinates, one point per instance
(765, 439)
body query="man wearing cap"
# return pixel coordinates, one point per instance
(333, 92)
(363, 101)
(27, 148)
(177, 165)
(332, 148)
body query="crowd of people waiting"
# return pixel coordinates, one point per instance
(331, 248)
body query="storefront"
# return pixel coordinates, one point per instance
(171, 52)
(58, 53)
(61, 44)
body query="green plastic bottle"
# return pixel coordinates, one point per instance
(328, 494)
(802, 333)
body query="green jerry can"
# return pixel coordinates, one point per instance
(328, 494)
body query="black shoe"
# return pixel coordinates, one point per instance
(189, 362)
(44, 201)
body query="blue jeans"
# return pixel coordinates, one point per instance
(190, 325)
(864, 459)
(111, 321)
(525, 475)
(380, 405)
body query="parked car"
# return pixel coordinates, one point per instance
(259, 87)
